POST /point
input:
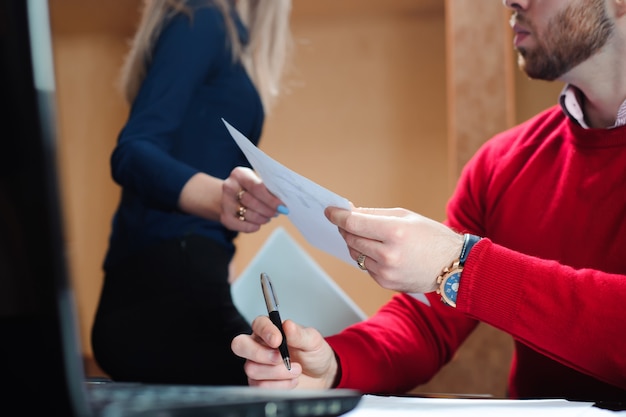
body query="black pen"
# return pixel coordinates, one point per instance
(272, 309)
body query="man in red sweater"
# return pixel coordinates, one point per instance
(548, 198)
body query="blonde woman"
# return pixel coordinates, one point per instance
(165, 312)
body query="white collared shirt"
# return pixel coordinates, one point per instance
(570, 104)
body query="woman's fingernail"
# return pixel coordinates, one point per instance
(282, 209)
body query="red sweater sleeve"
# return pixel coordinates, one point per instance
(573, 316)
(403, 345)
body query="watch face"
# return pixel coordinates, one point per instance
(450, 288)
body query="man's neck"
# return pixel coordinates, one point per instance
(601, 83)
(602, 96)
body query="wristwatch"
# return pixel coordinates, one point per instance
(450, 277)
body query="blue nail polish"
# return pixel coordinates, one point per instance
(282, 209)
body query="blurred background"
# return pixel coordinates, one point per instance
(386, 101)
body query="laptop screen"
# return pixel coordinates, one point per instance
(33, 276)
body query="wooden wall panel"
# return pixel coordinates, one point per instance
(481, 100)
(89, 40)
(480, 76)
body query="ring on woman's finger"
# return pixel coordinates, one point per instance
(240, 194)
(360, 261)
(241, 213)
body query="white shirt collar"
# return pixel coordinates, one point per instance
(570, 103)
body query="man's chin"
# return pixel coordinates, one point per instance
(534, 73)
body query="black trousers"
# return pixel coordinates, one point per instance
(167, 316)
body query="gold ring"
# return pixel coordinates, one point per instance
(360, 261)
(241, 213)
(240, 194)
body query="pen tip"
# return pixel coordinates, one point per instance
(287, 363)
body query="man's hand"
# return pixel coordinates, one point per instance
(313, 363)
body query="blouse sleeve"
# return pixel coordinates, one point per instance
(186, 52)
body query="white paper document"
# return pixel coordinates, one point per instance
(305, 199)
(375, 406)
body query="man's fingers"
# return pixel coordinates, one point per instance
(273, 376)
(298, 337)
(368, 222)
(250, 348)
(283, 384)
(388, 212)
(268, 333)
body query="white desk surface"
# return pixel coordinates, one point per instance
(376, 406)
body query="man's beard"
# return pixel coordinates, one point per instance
(571, 37)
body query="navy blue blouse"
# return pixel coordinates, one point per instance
(174, 130)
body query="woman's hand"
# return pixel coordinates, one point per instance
(246, 203)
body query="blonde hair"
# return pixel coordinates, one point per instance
(265, 57)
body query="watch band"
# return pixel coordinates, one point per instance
(468, 243)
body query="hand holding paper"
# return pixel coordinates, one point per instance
(305, 199)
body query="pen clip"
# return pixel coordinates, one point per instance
(271, 301)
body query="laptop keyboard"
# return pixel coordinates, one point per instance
(140, 395)
(114, 399)
(126, 399)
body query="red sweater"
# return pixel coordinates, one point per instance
(550, 198)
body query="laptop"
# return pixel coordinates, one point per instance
(41, 370)
(306, 293)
